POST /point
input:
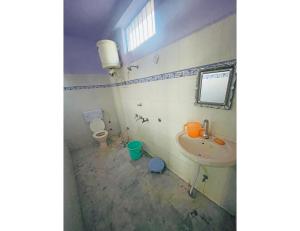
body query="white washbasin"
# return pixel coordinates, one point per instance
(206, 152)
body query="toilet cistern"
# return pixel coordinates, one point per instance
(205, 126)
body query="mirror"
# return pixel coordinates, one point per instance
(215, 86)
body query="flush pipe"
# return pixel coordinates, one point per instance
(196, 178)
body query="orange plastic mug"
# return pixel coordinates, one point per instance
(193, 129)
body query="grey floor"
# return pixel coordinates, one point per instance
(119, 194)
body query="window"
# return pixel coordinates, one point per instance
(142, 27)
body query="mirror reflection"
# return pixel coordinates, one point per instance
(215, 87)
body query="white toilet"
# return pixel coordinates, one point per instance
(97, 126)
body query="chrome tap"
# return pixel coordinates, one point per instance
(130, 67)
(205, 126)
(140, 118)
(145, 120)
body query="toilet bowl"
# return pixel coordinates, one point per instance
(97, 126)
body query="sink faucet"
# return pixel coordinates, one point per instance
(205, 126)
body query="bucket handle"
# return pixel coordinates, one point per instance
(184, 127)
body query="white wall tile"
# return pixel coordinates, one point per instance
(77, 133)
(173, 102)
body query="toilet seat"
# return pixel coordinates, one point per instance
(100, 134)
(97, 125)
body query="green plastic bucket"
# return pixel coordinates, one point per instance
(135, 149)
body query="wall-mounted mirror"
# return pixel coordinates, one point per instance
(216, 85)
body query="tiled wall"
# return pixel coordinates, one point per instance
(166, 90)
(192, 71)
(77, 133)
(172, 100)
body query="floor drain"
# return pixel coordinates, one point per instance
(194, 213)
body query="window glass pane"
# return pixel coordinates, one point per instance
(129, 38)
(152, 16)
(144, 17)
(136, 27)
(142, 27)
(149, 19)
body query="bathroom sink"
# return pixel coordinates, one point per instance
(206, 152)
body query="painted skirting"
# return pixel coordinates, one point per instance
(164, 76)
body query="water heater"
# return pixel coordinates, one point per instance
(108, 53)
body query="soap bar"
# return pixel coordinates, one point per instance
(219, 141)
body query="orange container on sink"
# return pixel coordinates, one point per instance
(193, 129)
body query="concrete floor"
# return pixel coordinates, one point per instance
(119, 194)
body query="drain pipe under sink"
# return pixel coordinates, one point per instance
(195, 180)
(204, 179)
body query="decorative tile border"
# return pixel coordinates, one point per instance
(86, 87)
(169, 75)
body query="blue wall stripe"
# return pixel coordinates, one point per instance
(169, 75)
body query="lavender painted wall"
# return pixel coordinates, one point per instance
(86, 22)
(176, 19)
(92, 19)
(81, 56)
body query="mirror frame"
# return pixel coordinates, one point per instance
(215, 68)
